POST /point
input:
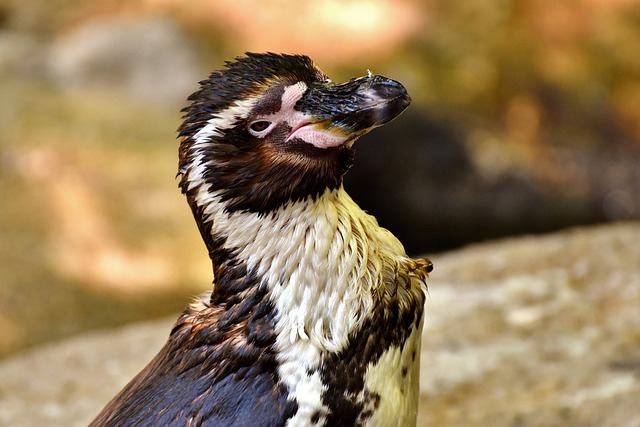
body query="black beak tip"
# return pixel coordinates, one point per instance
(395, 96)
(358, 105)
(390, 89)
(405, 100)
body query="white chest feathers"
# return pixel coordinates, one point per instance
(322, 262)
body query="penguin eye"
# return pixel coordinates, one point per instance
(259, 127)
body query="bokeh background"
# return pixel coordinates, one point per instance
(526, 119)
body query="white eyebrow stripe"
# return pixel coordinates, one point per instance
(292, 95)
(288, 114)
(225, 119)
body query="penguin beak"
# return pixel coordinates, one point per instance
(338, 114)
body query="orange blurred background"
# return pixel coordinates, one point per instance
(525, 120)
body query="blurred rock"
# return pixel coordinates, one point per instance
(536, 331)
(66, 384)
(147, 59)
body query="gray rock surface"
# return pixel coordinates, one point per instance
(148, 59)
(536, 331)
(66, 384)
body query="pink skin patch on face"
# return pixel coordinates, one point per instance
(319, 138)
(303, 126)
(291, 95)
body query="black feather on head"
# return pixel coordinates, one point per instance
(311, 125)
(250, 174)
(244, 77)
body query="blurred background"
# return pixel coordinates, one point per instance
(525, 119)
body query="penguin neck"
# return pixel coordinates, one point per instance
(317, 261)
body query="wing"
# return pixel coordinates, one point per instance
(216, 369)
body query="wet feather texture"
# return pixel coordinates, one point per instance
(316, 311)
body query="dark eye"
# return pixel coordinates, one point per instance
(259, 126)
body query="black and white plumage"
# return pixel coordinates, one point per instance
(316, 312)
